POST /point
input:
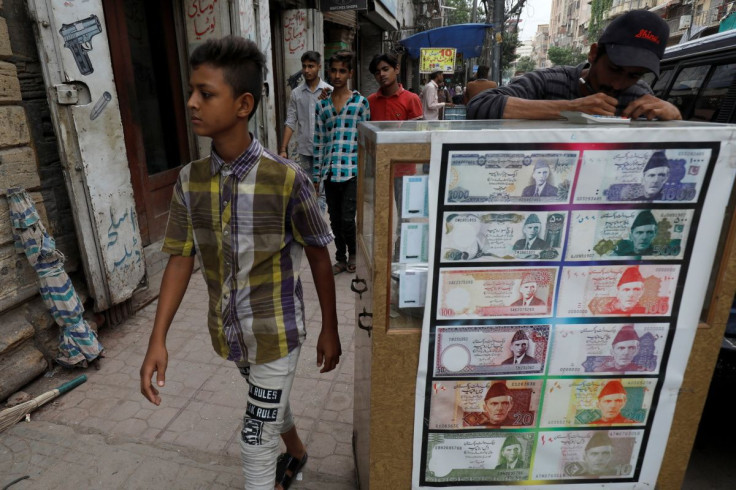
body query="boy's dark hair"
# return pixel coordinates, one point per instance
(241, 61)
(435, 74)
(312, 56)
(385, 57)
(346, 57)
(482, 72)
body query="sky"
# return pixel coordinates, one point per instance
(535, 12)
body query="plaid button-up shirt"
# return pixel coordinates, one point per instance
(336, 138)
(248, 222)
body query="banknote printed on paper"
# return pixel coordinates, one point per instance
(476, 293)
(502, 236)
(617, 290)
(588, 454)
(607, 348)
(471, 458)
(498, 404)
(490, 350)
(599, 401)
(494, 177)
(629, 234)
(635, 175)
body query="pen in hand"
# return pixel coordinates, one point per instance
(587, 85)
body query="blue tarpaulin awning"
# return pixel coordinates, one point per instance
(466, 38)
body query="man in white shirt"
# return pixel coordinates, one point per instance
(519, 347)
(510, 457)
(301, 111)
(430, 99)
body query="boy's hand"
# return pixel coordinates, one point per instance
(328, 350)
(326, 92)
(156, 361)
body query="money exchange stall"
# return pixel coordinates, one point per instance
(535, 273)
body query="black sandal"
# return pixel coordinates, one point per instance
(288, 463)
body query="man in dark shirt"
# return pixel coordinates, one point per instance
(632, 45)
(642, 233)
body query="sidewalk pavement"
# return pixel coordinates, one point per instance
(104, 434)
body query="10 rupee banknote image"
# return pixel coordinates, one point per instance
(587, 454)
(471, 293)
(478, 458)
(496, 177)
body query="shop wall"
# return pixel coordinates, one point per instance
(370, 43)
(29, 159)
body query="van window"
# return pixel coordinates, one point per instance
(686, 88)
(661, 84)
(710, 100)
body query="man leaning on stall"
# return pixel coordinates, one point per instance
(608, 84)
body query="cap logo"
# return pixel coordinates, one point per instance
(645, 34)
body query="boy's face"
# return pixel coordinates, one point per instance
(385, 74)
(310, 70)
(213, 109)
(340, 74)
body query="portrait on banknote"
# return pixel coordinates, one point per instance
(597, 401)
(469, 293)
(497, 404)
(477, 458)
(642, 175)
(496, 177)
(604, 454)
(628, 234)
(607, 348)
(643, 290)
(470, 236)
(490, 350)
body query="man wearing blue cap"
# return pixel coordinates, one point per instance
(608, 84)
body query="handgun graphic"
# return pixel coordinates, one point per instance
(78, 37)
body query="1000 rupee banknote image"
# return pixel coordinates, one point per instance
(627, 234)
(498, 404)
(607, 348)
(494, 177)
(476, 458)
(641, 175)
(496, 237)
(617, 290)
(598, 401)
(586, 454)
(476, 293)
(487, 350)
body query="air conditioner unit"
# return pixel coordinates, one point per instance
(685, 21)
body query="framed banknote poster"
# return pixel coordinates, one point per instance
(567, 271)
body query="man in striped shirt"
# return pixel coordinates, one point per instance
(336, 156)
(248, 215)
(609, 84)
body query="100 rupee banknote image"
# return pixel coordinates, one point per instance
(470, 293)
(495, 177)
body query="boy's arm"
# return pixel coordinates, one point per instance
(173, 286)
(289, 125)
(318, 144)
(328, 344)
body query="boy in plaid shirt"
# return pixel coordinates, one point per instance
(247, 214)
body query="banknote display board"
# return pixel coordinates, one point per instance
(556, 330)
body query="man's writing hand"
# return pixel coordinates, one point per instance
(598, 104)
(652, 107)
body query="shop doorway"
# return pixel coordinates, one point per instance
(148, 78)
